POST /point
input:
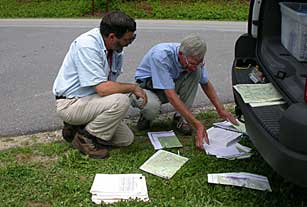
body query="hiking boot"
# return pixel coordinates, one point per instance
(89, 147)
(143, 123)
(69, 131)
(181, 125)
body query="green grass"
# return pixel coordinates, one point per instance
(210, 9)
(153, 9)
(57, 175)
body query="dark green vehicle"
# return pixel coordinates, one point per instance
(275, 46)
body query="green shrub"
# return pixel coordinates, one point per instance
(154, 9)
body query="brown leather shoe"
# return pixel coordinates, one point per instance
(69, 131)
(88, 147)
(181, 125)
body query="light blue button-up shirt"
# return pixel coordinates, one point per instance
(85, 66)
(162, 65)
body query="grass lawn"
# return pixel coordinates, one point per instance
(153, 9)
(55, 174)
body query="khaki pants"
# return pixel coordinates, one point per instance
(185, 86)
(103, 116)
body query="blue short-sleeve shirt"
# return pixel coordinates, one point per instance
(85, 66)
(162, 65)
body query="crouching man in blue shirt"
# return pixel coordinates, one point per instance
(88, 99)
(171, 72)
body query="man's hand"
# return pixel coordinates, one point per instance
(201, 134)
(140, 93)
(228, 116)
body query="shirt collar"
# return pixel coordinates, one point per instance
(100, 40)
(178, 64)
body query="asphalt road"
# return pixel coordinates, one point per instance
(32, 50)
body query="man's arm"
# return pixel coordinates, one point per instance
(210, 92)
(186, 113)
(110, 87)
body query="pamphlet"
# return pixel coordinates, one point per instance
(164, 139)
(258, 95)
(164, 164)
(241, 179)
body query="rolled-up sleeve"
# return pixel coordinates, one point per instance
(91, 67)
(161, 77)
(204, 76)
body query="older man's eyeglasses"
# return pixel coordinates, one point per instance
(197, 65)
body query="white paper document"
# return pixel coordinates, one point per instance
(231, 127)
(241, 179)
(224, 144)
(267, 103)
(111, 188)
(222, 137)
(164, 164)
(164, 139)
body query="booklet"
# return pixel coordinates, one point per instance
(241, 179)
(164, 139)
(110, 188)
(164, 164)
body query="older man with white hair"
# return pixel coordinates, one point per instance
(171, 72)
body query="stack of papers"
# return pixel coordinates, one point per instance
(224, 144)
(241, 179)
(164, 164)
(259, 94)
(110, 188)
(229, 126)
(164, 139)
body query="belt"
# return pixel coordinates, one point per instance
(59, 97)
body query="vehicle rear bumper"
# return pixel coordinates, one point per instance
(263, 128)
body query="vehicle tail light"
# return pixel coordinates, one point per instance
(305, 94)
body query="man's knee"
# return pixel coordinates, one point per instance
(124, 141)
(151, 110)
(153, 107)
(129, 139)
(121, 101)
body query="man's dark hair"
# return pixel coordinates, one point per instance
(117, 22)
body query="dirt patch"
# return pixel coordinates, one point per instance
(28, 140)
(24, 1)
(146, 7)
(33, 158)
(38, 204)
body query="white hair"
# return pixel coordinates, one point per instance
(193, 46)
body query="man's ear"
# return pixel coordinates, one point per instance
(180, 54)
(180, 57)
(111, 36)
